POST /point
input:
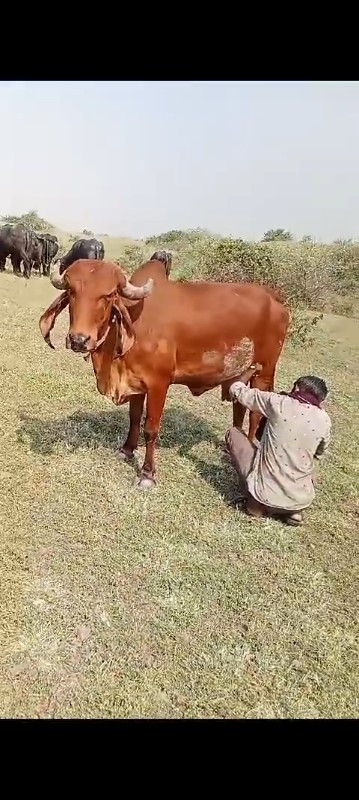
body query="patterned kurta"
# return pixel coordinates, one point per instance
(295, 434)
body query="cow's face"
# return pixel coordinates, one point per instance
(93, 291)
(91, 298)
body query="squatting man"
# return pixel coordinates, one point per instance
(278, 476)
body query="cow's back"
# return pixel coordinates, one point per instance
(194, 311)
(206, 333)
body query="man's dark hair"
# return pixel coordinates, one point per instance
(314, 385)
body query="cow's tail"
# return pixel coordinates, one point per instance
(165, 257)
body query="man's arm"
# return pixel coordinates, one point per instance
(323, 444)
(253, 399)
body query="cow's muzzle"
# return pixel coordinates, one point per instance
(77, 342)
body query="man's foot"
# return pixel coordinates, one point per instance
(254, 509)
(294, 519)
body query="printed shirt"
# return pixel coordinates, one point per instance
(295, 434)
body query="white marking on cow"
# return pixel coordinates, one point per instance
(239, 357)
(209, 356)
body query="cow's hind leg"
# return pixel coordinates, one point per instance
(136, 409)
(155, 403)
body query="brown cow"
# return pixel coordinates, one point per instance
(200, 335)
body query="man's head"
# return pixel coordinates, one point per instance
(310, 384)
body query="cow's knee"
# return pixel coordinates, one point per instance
(150, 435)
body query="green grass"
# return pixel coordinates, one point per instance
(171, 604)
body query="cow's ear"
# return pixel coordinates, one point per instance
(47, 320)
(126, 336)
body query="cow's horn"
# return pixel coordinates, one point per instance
(56, 279)
(136, 292)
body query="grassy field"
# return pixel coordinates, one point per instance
(172, 604)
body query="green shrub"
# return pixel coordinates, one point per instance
(177, 240)
(312, 277)
(301, 328)
(228, 260)
(133, 256)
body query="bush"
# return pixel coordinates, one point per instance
(177, 240)
(301, 328)
(307, 273)
(277, 234)
(228, 260)
(133, 256)
(312, 277)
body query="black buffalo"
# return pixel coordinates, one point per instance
(17, 241)
(43, 251)
(83, 248)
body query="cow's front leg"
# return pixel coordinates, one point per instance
(155, 403)
(131, 443)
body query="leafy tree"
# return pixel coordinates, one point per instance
(87, 232)
(31, 220)
(177, 238)
(277, 235)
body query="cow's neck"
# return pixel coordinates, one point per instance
(114, 379)
(103, 362)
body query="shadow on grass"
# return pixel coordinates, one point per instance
(109, 429)
(179, 429)
(221, 477)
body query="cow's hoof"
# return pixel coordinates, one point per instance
(125, 455)
(145, 484)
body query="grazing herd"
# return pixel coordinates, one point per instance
(38, 250)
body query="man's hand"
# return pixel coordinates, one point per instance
(315, 477)
(249, 373)
(246, 376)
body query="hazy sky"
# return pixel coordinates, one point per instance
(141, 158)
